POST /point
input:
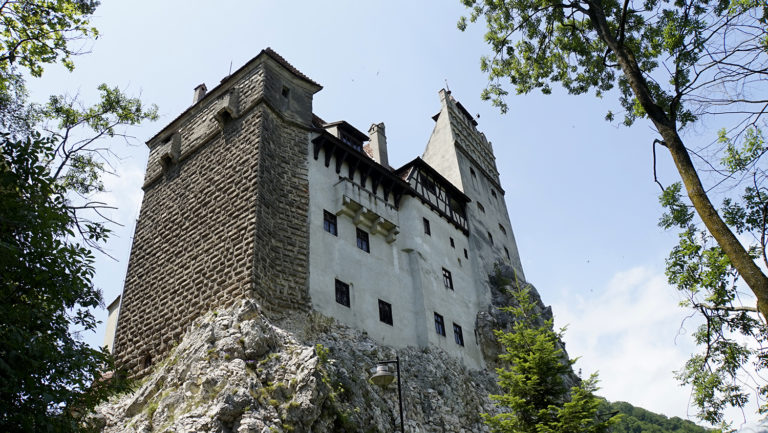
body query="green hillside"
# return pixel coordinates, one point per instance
(638, 420)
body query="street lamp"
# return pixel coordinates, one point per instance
(384, 377)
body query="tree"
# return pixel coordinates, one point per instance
(536, 398)
(674, 63)
(39, 32)
(45, 287)
(49, 378)
(50, 222)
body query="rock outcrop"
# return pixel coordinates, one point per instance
(234, 371)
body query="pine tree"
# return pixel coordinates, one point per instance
(536, 398)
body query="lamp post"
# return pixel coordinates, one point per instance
(384, 377)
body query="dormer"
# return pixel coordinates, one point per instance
(347, 133)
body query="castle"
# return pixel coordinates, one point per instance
(250, 195)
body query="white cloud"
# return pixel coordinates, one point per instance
(123, 191)
(630, 332)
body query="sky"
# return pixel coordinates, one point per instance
(580, 191)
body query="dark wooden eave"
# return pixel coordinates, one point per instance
(442, 207)
(423, 166)
(349, 129)
(359, 163)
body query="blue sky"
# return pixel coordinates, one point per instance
(580, 191)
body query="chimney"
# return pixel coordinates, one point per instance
(199, 93)
(378, 144)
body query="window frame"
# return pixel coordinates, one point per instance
(345, 293)
(458, 334)
(427, 227)
(385, 312)
(330, 222)
(439, 324)
(447, 279)
(363, 240)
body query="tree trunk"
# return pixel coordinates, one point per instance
(738, 255)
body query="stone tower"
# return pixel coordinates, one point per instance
(465, 157)
(224, 211)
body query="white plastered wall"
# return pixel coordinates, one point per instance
(407, 273)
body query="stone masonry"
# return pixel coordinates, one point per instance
(224, 214)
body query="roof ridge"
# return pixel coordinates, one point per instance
(279, 59)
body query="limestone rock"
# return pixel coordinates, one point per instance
(234, 371)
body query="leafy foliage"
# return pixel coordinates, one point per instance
(674, 63)
(46, 374)
(536, 398)
(50, 222)
(703, 273)
(39, 32)
(535, 43)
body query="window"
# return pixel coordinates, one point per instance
(481, 207)
(362, 241)
(453, 245)
(286, 91)
(458, 336)
(329, 223)
(342, 293)
(385, 312)
(429, 184)
(490, 237)
(466, 255)
(447, 279)
(503, 230)
(427, 229)
(346, 138)
(472, 172)
(493, 193)
(439, 325)
(506, 251)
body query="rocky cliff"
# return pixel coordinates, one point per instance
(234, 371)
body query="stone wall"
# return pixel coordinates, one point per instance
(225, 207)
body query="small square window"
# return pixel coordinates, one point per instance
(427, 229)
(453, 245)
(362, 241)
(480, 206)
(458, 336)
(506, 251)
(503, 230)
(439, 325)
(466, 255)
(385, 312)
(447, 279)
(329, 223)
(490, 237)
(342, 293)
